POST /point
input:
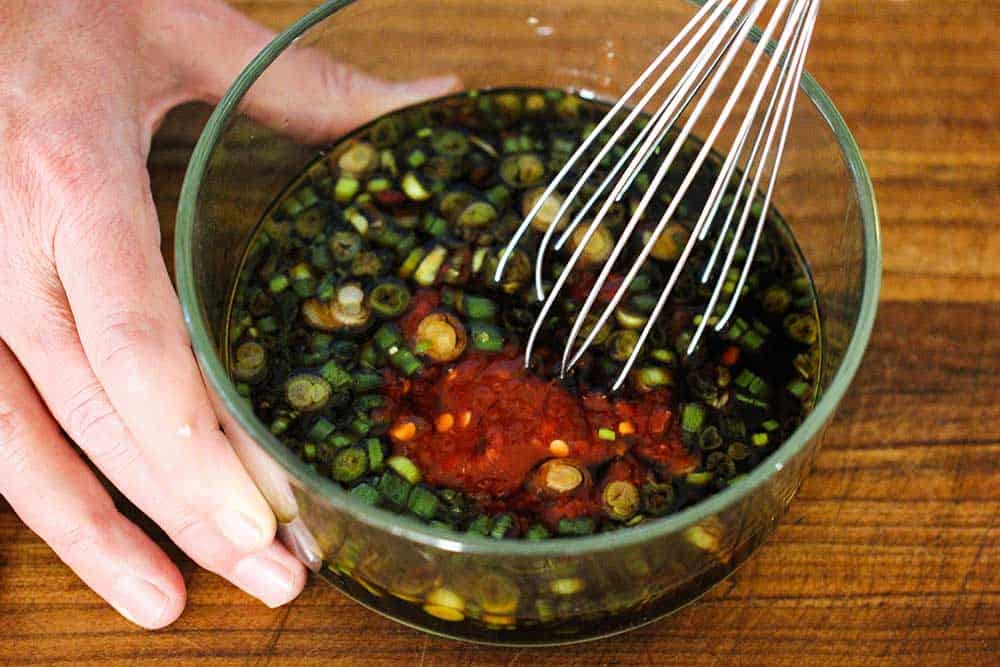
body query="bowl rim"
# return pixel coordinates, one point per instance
(410, 529)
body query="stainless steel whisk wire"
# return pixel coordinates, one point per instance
(704, 76)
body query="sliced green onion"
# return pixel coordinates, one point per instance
(307, 392)
(350, 464)
(427, 272)
(575, 527)
(405, 468)
(423, 503)
(501, 526)
(441, 337)
(537, 532)
(656, 499)
(394, 489)
(389, 299)
(621, 500)
(692, 417)
(321, 430)
(366, 493)
(338, 378)
(250, 362)
(486, 337)
(414, 187)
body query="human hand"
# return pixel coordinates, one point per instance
(91, 334)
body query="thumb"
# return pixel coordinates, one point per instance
(303, 93)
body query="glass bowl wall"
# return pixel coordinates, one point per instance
(514, 592)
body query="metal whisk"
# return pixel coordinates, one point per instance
(711, 41)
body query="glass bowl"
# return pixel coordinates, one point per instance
(515, 592)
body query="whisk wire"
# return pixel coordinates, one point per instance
(675, 202)
(603, 123)
(592, 228)
(711, 40)
(770, 123)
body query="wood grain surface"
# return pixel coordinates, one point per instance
(890, 553)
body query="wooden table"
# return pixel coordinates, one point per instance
(891, 551)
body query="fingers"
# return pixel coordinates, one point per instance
(303, 93)
(55, 494)
(78, 401)
(132, 335)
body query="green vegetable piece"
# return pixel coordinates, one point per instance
(345, 246)
(346, 189)
(621, 344)
(621, 500)
(250, 362)
(376, 454)
(480, 525)
(414, 188)
(405, 468)
(350, 464)
(278, 283)
(575, 527)
(394, 489)
(502, 525)
(338, 379)
(389, 299)
(692, 417)
(477, 215)
(802, 328)
(423, 503)
(450, 142)
(710, 439)
(321, 430)
(307, 392)
(427, 272)
(365, 381)
(366, 493)
(523, 170)
(656, 499)
(537, 532)
(486, 337)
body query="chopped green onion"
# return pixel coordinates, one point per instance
(335, 376)
(621, 500)
(537, 532)
(579, 526)
(423, 503)
(278, 283)
(427, 272)
(692, 417)
(394, 489)
(307, 393)
(350, 464)
(486, 337)
(389, 299)
(501, 526)
(480, 525)
(321, 430)
(406, 468)
(366, 493)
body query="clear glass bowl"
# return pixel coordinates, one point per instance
(514, 592)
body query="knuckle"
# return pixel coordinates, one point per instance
(85, 538)
(94, 424)
(123, 340)
(13, 445)
(337, 78)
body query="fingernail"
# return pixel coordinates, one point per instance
(266, 579)
(245, 533)
(139, 601)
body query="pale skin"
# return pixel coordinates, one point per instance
(91, 335)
